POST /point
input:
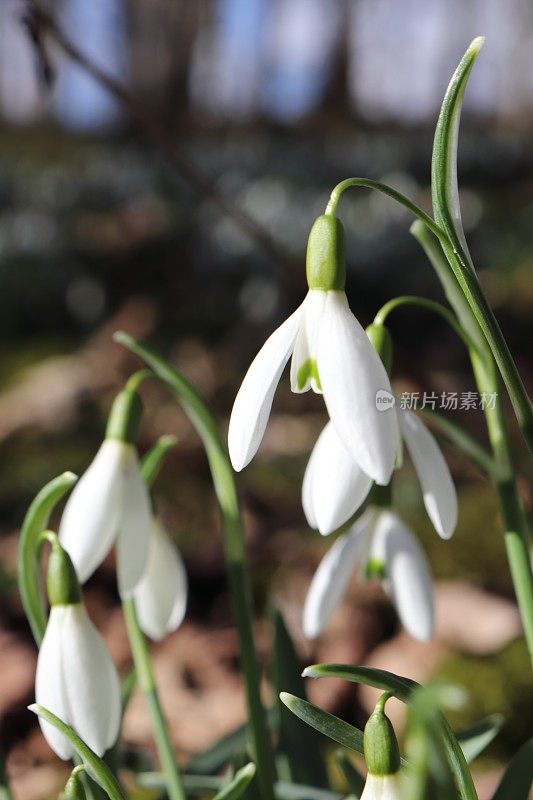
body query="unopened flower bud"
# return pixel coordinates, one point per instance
(382, 342)
(382, 755)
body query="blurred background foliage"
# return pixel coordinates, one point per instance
(273, 101)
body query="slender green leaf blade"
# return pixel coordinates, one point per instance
(402, 688)
(328, 724)
(35, 521)
(475, 739)
(298, 742)
(444, 184)
(518, 779)
(379, 678)
(238, 784)
(96, 767)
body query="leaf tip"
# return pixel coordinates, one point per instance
(476, 44)
(34, 708)
(286, 698)
(121, 337)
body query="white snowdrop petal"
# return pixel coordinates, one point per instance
(331, 578)
(440, 497)
(307, 491)
(336, 486)
(49, 688)
(252, 405)
(352, 374)
(305, 345)
(91, 681)
(161, 595)
(133, 541)
(88, 524)
(382, 787)
(409, 579)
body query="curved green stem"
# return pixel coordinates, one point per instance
(367, 183)
(96, 767)
(29, 578)
(145, 677)
(240, 589)
(429, 305)
(469, 284)
(152, 462)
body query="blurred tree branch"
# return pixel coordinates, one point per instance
(42, 28)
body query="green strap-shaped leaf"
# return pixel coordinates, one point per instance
(444, 186)
(448, 218)
(96, 767)
(35, 521)
(401, 687)
(379, 678)
(224, 484)
(299, 743)
(518, 779)
(200, 784)
(328, 724)
(475, 739)
(237, 786)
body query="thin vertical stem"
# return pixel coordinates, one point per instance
(238, 575)
(145, 677)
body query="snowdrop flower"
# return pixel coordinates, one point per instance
(161, 596)
(381, 546)
(331, 354)
(76, 678)
(110, 503)
(382, 757)
(335, 487)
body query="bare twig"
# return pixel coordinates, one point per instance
(40, 24)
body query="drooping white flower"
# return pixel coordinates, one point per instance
(161, 596)
(334, 486)
(378, 545)
(109, 504)
(77, 680)
(382, 787)
(332, 354)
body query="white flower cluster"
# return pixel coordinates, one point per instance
(76, 677)
(360, 446)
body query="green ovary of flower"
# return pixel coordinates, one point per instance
(307, 372)
(375, 568)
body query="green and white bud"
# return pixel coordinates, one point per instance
(382, 756)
